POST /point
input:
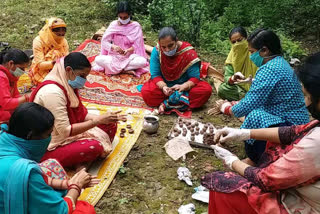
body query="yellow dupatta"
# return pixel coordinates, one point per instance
(239, 58)
(51, 41)
(47, 47)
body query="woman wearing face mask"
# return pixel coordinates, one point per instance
(122, 46)
(287, 177)
(238, 67)
(25, 186)
(77, 136)
(175, 77)
(275, 97)
(49, 46)
(13, 62)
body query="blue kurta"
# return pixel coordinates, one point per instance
(155, 70)
(275, 97)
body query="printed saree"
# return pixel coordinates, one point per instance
(284, 168)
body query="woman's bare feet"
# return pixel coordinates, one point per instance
(161, 108)
(129, 72)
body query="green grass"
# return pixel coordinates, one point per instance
(21, 20)
(148, 182)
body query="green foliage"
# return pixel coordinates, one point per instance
(291, 49)
(185, 16)
(123, 201)
(137, 6)
(206, 23)
(122, 169)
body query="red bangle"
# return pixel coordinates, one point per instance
(76, 187)
(227, 110)
(230, 81)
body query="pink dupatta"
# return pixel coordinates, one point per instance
(132, 31)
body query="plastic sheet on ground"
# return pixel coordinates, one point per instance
(184, 174)
(201, 194)
(187, 209)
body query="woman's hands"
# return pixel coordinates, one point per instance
(167, 91)
(180, 88)
(109, 117)
(223, 154)
(128, 51)
(238, 78)
(94, 181)
(117, 49)
(229, 134)
(83, 179)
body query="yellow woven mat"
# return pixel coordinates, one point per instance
(107, 169)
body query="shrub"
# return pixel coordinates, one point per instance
(185, 16)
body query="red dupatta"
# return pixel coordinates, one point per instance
(76, 115)
(13, 81)
(172, 68)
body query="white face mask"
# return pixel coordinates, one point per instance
(172, 52)
(124, 22)
(18, 72)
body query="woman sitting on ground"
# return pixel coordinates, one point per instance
(77, 136)
(24, 185)
(122, 46)
(49, 46)
(275, 97)
(239, 69)
(175, 77)
(13, 63)
(287, 177)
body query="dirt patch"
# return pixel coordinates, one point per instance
(150, 183)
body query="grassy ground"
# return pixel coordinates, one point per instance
(148, 182)
(21, 20)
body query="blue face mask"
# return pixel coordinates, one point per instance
(77, 83)
(171, 53)
(30, 149)
(39, 148)
(256, 58)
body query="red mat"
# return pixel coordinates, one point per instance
(117, 90)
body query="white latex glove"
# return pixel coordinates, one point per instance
(223, 154)
(229, 134)
(237, 76)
